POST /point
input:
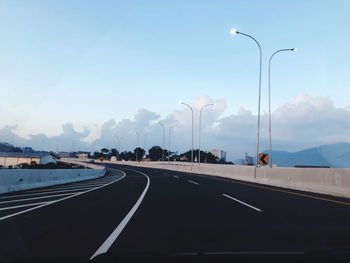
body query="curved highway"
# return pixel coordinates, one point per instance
(156, 214)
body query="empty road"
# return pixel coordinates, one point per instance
(136, 213)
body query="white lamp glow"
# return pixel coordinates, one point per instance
(233, 31)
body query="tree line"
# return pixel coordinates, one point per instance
(155, 153)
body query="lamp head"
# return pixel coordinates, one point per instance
(295, 49)
(234, 31)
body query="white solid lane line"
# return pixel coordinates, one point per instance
(59, 189)
(19, 206)
(64, 198)
(241, 202)
(79, 185)
(192, 182)
(175, 176)
(110, 240)
(73, 186)
(72, 191)
(48, 191)
(34, 198)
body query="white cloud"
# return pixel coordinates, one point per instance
(302, 122)
(311, 119)
(209, 114)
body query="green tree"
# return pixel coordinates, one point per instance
(140, 152)
(211, 158)
(114, 152)
(122, 156)
(155, 153)
(97, 155)
(104, 150)
(129, 156)
(188, 155)
(205, 156)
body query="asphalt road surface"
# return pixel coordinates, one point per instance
(159, 215)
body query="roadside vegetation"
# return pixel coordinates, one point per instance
(58, 165)
(155, 153)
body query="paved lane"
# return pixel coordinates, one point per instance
(29, 200)
(73, 228)
(153, 212)
(187, 214)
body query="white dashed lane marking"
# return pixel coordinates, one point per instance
(243, 203)
(193, 182)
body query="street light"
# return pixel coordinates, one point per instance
(180, 102)
(160, 123)
(234, 32)
(137, 144)
(117, 144)
(120, 146)
(270, 147)
(169, 142)
(199, 132)
(93, 146)
(144, 140)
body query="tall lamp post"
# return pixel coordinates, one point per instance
(234, 32)
(180, 102)
(199, 132)
(270, 147)
(137, 144)
(160, 123)
(169, 143)
(117, 145)
(144, 141)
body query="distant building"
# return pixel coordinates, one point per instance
(221, 155)
(183, 158)
(66, 154)
(14, 158)
(28, 150)
(82, 155)
(248, 160)
(113, 159)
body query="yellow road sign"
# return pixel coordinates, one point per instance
(102, 159)
(263, 158)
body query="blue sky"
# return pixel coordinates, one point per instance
(86, 62)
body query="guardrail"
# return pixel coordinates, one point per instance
(331, 181)
(12, 180)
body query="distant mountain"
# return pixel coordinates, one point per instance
(238, 161)
(332, 155)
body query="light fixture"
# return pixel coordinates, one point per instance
(234, 31)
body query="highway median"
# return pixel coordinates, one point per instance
(12, 180)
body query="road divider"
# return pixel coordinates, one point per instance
(330, 181)
(12, 180)
(50, 199)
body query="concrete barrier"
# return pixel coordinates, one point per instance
(330, 181)
(12, 180)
